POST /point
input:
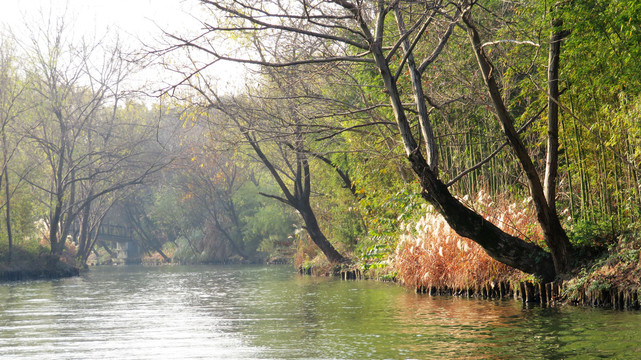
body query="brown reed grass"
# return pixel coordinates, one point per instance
(435, 256)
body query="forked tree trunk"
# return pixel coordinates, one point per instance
(500, 245)
(299, 198)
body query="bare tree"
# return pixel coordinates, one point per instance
(276, 138)
(89, 146)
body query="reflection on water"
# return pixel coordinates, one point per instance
(271, 313)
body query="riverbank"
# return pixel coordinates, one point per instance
(590, 290)
(34, 268)
(609, 277)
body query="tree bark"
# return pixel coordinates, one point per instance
(552, 160)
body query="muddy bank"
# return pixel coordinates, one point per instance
(43, 267)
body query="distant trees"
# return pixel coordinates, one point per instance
(276, 136)
(13, 87)
(89, 147)
(71, 139)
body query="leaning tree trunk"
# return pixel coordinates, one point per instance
(500, 245)
(299, 198)
(316, 234)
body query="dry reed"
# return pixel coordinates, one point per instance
(434, 256)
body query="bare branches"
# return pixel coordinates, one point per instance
(263, 25)
(525, 42)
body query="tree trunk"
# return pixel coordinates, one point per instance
(317, 236)
(501, 246)
(57, 245)
(84, 237)
(552, 160)
(431, 148)
(8, 211)
(299, 199)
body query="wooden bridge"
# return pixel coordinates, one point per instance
(122, 241)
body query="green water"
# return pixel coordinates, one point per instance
(232, 312)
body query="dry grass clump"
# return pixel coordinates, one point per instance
(434, 256)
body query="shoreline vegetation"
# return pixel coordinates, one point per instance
(433, 266)
(429, 257)
(609, 283)
(433, 259)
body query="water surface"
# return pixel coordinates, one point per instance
(233, 312)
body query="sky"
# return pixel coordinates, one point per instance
(131, 17)
(135, 21)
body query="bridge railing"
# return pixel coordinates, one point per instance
(114, 231)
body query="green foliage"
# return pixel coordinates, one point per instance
(376, 256)
(186, 250)
(268, 225)
(603, 54)
(588, 233)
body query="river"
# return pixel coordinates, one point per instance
(258, 312)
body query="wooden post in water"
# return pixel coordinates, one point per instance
(530, 294)
(543, 294)
(549, 292)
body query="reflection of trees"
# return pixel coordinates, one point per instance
(480, 329)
